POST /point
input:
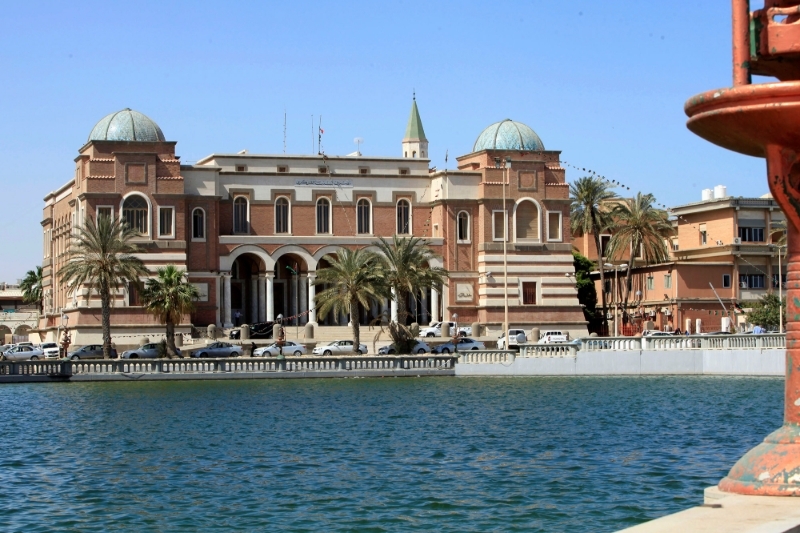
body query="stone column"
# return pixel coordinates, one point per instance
(226, 300)
(434, 305)
(312, 294)
(270, 297)
(262, 297)
(253, 299)
(394, 306)
(303, 281)
(423, 302)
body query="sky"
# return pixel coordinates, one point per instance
(604, 82)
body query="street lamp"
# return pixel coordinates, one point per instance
(616, 268)
(281, 339)
(455, 333)
(65, 341)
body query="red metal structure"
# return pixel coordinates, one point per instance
(763, 120)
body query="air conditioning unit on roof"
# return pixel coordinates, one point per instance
(737, 240)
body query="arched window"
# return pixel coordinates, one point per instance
(136, 213)
(281, 215)
(198, 224)
(527, 221)
(364, 217)
(463, 227)
(241, 217)
(323, 216)
(403, 217)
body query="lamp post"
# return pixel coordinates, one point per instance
(281, 339)
(65, 340)
(505, 243)
(454, 338)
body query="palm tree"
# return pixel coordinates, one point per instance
(589, 214)
(407, 270)
(32, 287)
(101, 257)
(639, 226)
(169, 296)
(352, 278)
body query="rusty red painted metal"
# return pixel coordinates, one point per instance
(764, 121)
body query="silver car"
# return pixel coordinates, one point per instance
(219, 349)
(23, 353)
(289, 348)
(340, 348)
(464, 344)
(148, 351)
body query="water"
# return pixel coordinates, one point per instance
(427, 454)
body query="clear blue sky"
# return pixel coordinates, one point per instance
(605, 82)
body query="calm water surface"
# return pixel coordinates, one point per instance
(426, 454)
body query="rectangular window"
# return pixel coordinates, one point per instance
(751, 234)
(667, 281)
(675, 246)
(363, 170)
(553, 226)
(726, 281)
(133, 295)
(703, 235)
(283, 168)
(528, 292)
(322, 170)
(105, 211)
(166, 222)
(241, 168)
(403, 171)
(775, 281)
(499, 225)
(651, 284)
(751, 281)
(604, 241)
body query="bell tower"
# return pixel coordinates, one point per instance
(415, 145)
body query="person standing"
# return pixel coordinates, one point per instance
(758, 330)
(237, 317)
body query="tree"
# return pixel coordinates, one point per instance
(101, 257)
(32, 287)
(764, 312)
(169, 296)
(352, 278)
(589, 215)
(587, 293)
(640, 226)
(406, 270)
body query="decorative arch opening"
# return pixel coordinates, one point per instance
(198, 224)
(527, 225)
(241, 215)
(136, 213)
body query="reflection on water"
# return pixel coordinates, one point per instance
(435, 454)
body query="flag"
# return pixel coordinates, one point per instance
(321, 131)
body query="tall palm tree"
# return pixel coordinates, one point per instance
(169, 296)
(407, 270)
(32, 287)
(589, 214)
(639, 226)
(101, 257)
(353, 277)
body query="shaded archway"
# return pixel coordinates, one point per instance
(244, 288)
(290, 289)
(4, 330)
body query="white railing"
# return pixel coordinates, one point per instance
(548, 350)
(474, 357)
(237, 365)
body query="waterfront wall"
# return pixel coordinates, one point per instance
(727, 362)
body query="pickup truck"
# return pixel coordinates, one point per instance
(512, 335)
(553, 336)
(435, 330)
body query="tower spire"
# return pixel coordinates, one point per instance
(415, 144)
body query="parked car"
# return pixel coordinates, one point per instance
(435, 329)
(23, 353)
(92, 351)
(259, 330)
(419, 347)
(289, 348)
(464, 344)
(718, 333)
(657, 333)
(148, 351)
(553, 336)
(339, 348)
(218, 349)
(6, 347)
(512, 334)
(50, 349)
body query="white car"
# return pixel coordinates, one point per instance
(51, 350)
(553, 337)
(464, 344)
(418, 348)
(339, 348)
(512, 334)
(656, 333)
(435, 330)
(289, 348)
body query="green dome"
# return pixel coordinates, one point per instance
(126, 125)
(508, 135)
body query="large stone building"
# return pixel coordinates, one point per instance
(252, 230)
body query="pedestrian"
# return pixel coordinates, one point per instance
(237, 316)
(252, 349)
(687, 332)
(678, 331)
(758, 330)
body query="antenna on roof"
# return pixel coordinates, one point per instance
(321, 131)
(358, 141)
(284, 130)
